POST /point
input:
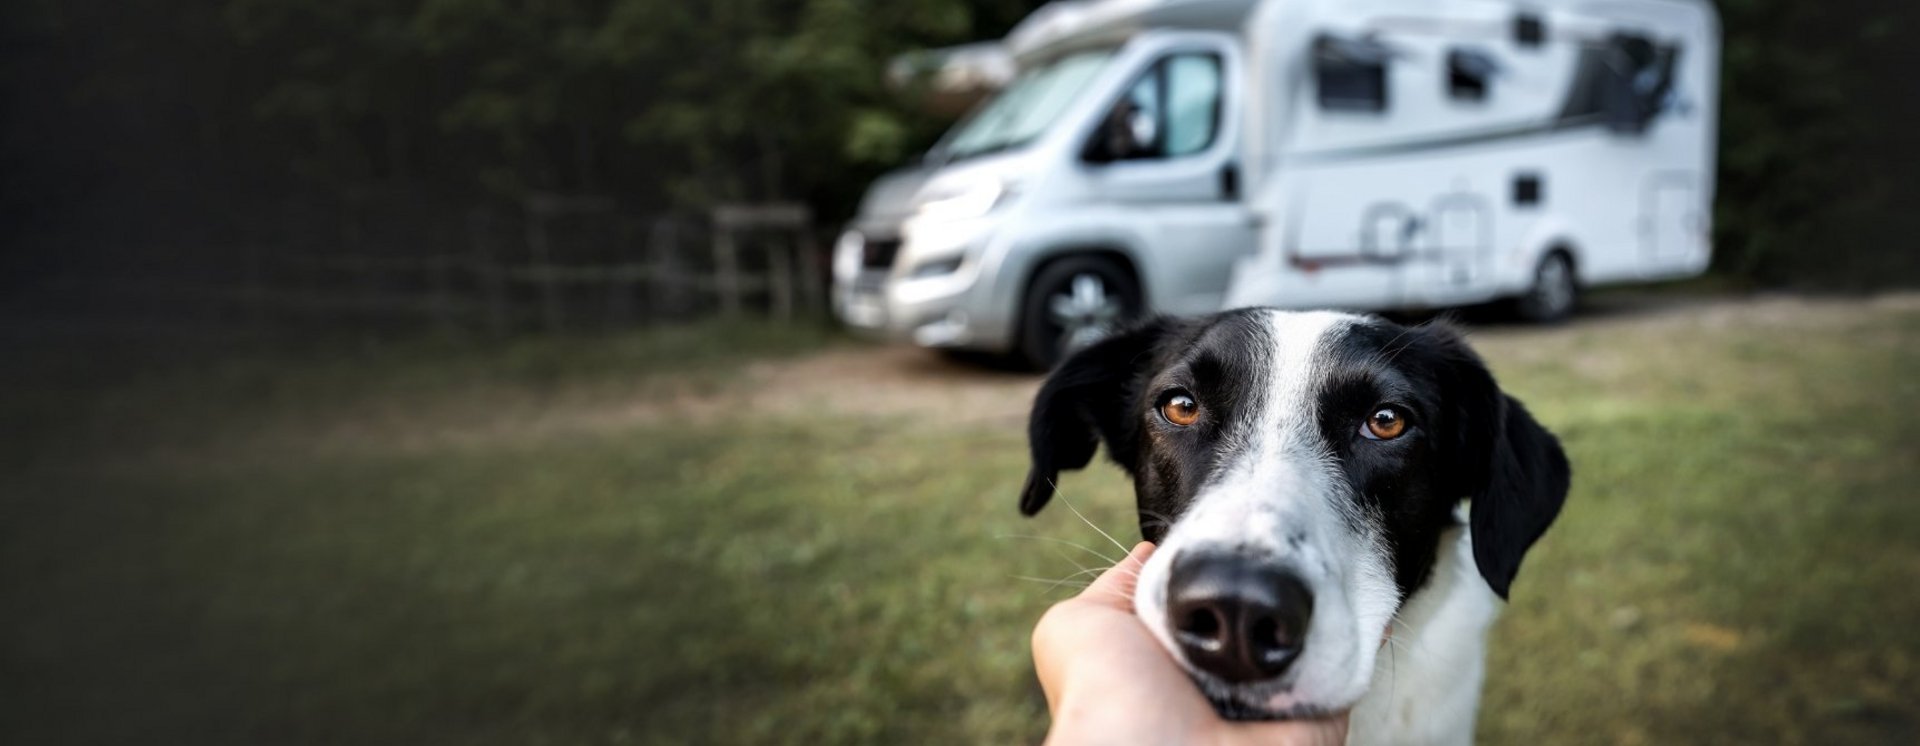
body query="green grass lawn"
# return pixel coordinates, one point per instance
(404, 545)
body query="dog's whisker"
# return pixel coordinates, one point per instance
(1114, 593)
(1053, 585)
(1081, 547)
(1079, 567)
(1062, 554)
(1121, 570)
(1411, 648)
(1083, 519)
(1085, 571)
(1157, 518)
(1035, 579)
(1078, 584)
(1397, 645)
(1089, 571)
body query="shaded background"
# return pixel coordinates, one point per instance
(160, 151)
(341, 402)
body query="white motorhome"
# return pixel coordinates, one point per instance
(1183, 156)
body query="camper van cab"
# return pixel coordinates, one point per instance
(1187, 156)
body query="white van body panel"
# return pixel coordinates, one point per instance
(1417, 206)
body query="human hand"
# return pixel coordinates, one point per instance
(1109, 681)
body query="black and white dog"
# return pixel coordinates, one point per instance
(1302, 475)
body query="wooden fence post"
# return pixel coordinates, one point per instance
(780, 282)
(726, 264)
(487, 272)
(732, 221)
(621, 286)
(812, 286)
(668, 275)
(541, 253)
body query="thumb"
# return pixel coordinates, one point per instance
(1114, 588)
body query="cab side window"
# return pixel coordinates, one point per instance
(1171, 110)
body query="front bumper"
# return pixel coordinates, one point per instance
(928, 286)
(930, 312)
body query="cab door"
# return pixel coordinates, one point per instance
(1162, 159)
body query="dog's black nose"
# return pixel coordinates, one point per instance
(1238, 620)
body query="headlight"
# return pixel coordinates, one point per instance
(936, 268)
(974, 201)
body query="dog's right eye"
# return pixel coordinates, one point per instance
(1385, 423)
(1179, 408)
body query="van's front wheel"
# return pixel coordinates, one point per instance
(1554, 293)
(1072, 303)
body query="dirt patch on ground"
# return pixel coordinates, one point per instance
(890, 382)
(1628, 324)
(893, 382)
(907, 382)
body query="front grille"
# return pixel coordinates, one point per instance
(878, 253)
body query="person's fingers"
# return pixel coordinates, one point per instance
(1096, 628)
(1114, 588)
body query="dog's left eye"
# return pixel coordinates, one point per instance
(1386, 423)
(1180, 409)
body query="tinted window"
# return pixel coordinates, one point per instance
(1529, 30)
(1171, 110)
(1350, 74)
(1142, 113)
(1624, 83)
(1469, 71)
(1193, 103)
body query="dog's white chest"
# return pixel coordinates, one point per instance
(1426, 682)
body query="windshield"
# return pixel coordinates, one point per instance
(1025, 108)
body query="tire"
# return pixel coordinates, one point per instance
(1555, 291)
(1072, 303)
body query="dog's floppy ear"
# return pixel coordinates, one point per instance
(1087, 398)
(1511, 467)
(1527, 482)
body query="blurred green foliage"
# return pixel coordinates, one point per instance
(673, 103)
(682, 104)
(1817, 146)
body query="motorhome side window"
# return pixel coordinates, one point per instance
(1623, 83)
(1350, 74)
(1469, 71)
(1171, 110)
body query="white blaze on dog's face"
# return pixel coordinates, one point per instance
(1297, 471)
(1275, 497)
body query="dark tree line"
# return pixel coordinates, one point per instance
(1820, 143)
(146, 125)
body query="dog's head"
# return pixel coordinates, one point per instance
(1298, 471)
